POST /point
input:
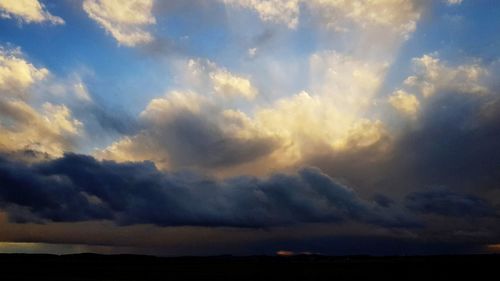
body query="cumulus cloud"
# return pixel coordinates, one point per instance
(405, 103)
(185, 129)
(432, 76)
(126, 20)
(49, 129)
(451, 123)
(27, 11)
(76, 188)
(16, 74)
(306, 123)
(329, 116)
(229, 85)
(204, 76)
(350, 81)
(450, 141)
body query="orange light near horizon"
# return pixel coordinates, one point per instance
(493, 248)
(285, 253)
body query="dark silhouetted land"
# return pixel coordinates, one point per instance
(312, 267)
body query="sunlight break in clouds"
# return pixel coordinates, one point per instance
(192, 129)
(27, 11)
(125, 20)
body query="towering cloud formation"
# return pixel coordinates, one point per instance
(125, 20)
(27, 11)
(187, 129)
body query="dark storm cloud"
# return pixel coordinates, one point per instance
(447, 203)
(78, 188)
(383, 200)
(456, 143)
(47, 197)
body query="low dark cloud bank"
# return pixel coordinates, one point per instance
(79, 188)
(447, 203)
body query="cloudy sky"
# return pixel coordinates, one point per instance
(206, 127)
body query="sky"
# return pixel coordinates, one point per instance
(245, 127)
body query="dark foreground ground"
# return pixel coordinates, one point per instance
(128, 267)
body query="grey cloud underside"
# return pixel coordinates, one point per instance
(193, 140)
(456, 144)
(79, 188)
(453, 144)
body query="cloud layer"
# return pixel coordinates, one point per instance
(77, 187)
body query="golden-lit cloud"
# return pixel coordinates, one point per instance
(271, 137)
(204, 76)
(49, 129)
(28, 11)
(229, 85)
(16, 74)
(125, 20)
(433, 75)
(405, 103)
(186, 129)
